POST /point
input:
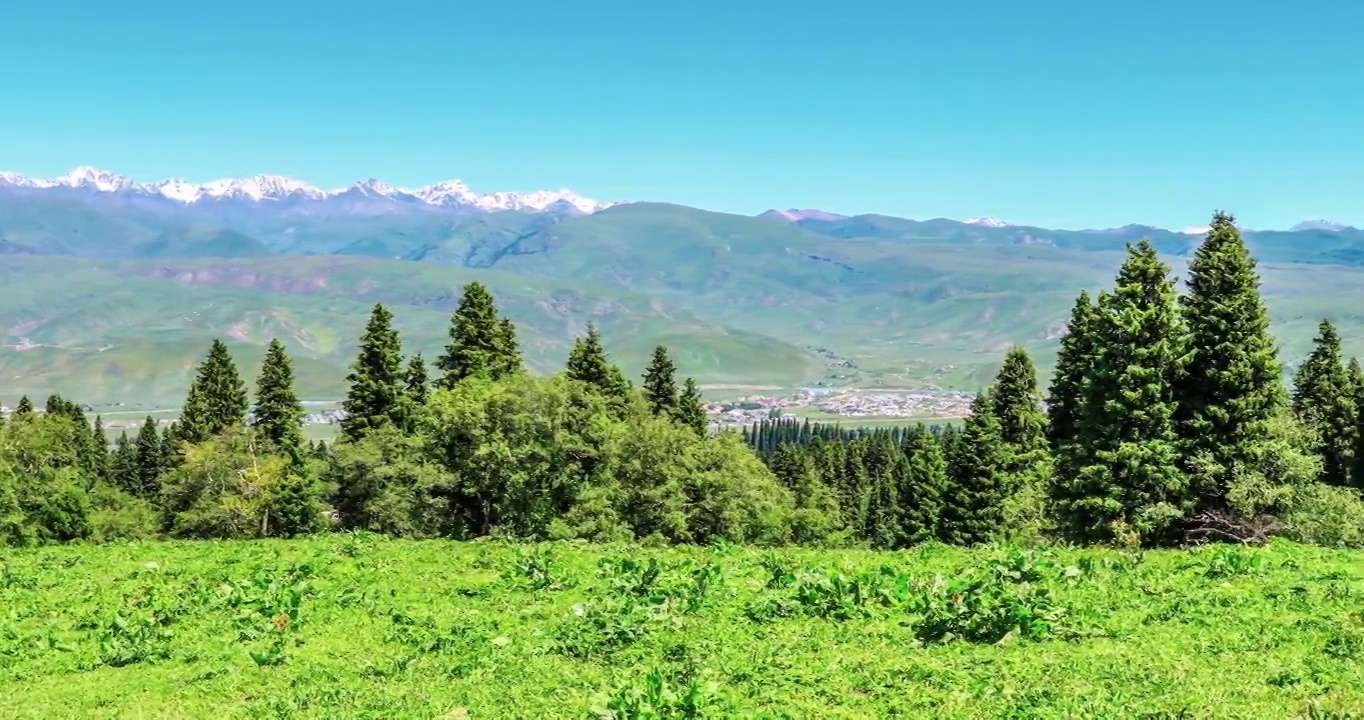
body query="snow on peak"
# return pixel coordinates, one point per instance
(177, 189)
(261, 187)
(17, 180)
(450, 193)
(373, 187)
(987, 222)
(1327, 225)
(95, 179)
(1196, 230)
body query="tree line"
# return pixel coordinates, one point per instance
(1167, 420)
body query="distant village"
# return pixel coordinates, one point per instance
(847, 403)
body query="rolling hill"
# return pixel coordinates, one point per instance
(115, 301)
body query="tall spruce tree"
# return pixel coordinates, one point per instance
(418, 385)
(923, 487)
(24, 409)
(123, 468)
(974, 503)
(1231, 385)
(1065, 397)
(1323, 400)
(691, 411)
(217, 398)
(1356, 373)
(278, 415)
(377, 381)
(149, 462)
(587, 363)
(660, 383)
(1017, 403)
(482, 344)
(1130, 475)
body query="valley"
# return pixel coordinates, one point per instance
(112, 294)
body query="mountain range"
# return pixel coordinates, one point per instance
(111, 290)
(279, 190)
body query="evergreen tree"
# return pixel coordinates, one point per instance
(1356, 374)
(418, 387)
(148, 461)
(278, 415)
(660, 383)
(1065, 397)
(1232, 382)
(1130, 475)
(99, 448)
(973, 505)
(691, 412)
(1017, 404)
(217, 398)
(1323, 400)
(587, 363)
(481, 343)
(375, 397)
(923, 487)
(123, 464)
(24, 409)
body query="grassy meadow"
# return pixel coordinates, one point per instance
(365, 626)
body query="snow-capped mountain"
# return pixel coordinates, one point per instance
(1327, 225)
(987, 222)
(1196, 230)
(452, 194)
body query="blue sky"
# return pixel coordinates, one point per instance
(1066, 114)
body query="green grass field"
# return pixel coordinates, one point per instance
(364, 626)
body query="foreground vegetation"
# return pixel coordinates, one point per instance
(359, 625)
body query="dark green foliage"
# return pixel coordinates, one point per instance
(123, 466)
(24, 409)
(418, 385)
(1323, 399)
(1357, 394)
(691, 412)
(375, 397)
(660, 383)
(1128, 474)
(1231, 386)
(149, 462)
(924, 486)
(217, 398)
(482, 344)
(587, 363)
(278, 416)
(1065, 397)
(973, 503)
(1017, 404)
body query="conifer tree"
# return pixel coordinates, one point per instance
(923, 487)
(1017, 404)
(217, 398)
(148, 461)
(418, 387)
(1356, 373)
(123, 464)
(660, 383)
(278, 415)
(1323, 400)
(691, 412)
(1231, 384)
(587, 363)
(377, 381)
(1065, 397)
(481, 343)
(973, 505)
(99, 448)
(24, 409)
(1130, 474)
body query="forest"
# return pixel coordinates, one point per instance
(1168, 421)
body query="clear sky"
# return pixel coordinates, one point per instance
(1062, 114)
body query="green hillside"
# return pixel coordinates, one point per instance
(388, 628)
